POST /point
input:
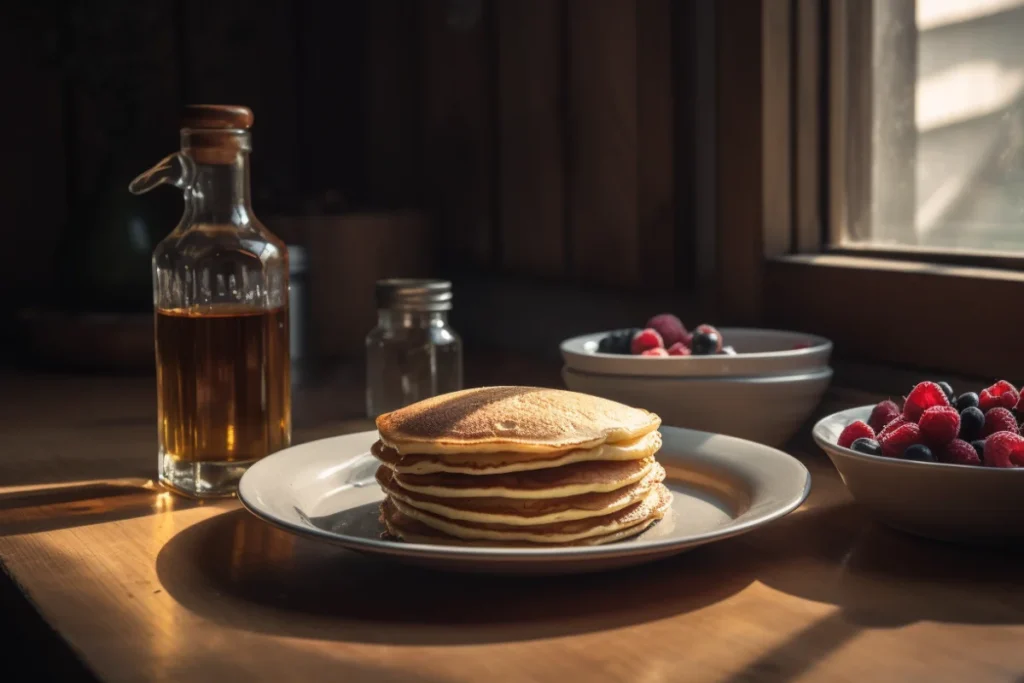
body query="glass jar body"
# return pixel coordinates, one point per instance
(410, 356)
(220, 294)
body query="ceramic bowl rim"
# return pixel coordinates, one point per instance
(819, 344)
(795, 378)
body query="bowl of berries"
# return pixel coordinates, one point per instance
(942, 465)
(665, 348)
(704, 378)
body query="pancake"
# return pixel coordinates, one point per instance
(507, 461)
(523, 512)
(568, 480)
(408, 529)
(641, 513)
(511, 419)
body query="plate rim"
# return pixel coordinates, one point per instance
(560, 554)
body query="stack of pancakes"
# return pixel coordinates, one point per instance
(519, 466)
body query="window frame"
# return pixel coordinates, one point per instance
(779, 259)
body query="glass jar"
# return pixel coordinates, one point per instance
(412, 354)
(220, 293)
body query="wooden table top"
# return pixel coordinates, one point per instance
(145, 586)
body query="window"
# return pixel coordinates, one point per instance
(897, 228)
(942, 83)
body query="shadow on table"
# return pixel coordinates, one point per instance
(291, 586)
(48, 508)
(878, 577)
(886, 578)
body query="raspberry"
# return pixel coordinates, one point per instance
(1001, 394)
(895, 442)
(646, 339)
(999, 420)
(959, 452)
(922, 397)
(854, 431)
(679, 349)
(669, 327)
(1004, 449)
(707, 329)
(939, 425)
(656, 351)
(801, 345)
(893, 424)
(882, 414)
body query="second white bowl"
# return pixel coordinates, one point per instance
(767, 410)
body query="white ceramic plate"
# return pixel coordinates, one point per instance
(937, 500)
(767, 410)
(721, 487)
(759, 352)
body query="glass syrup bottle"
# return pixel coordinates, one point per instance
(220, 293)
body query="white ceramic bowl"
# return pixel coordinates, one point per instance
(767, 410)
(759, 352)
(947, 502)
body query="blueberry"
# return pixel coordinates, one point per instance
(866, 445)
(919, 453)
(972, 421)
(704, 344)
(948, 390)
(617, 341)
(968, 400)
(979, 448)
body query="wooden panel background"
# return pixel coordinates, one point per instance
(539, 136)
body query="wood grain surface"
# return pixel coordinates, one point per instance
(146, 586)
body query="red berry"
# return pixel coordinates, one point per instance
(939, 425)
(1004, 449)
(679, 349)
(893, 424)
(854, 431)
(801, 345)
(900, 439)
(1001, 394)
(999, 420)
(959, 452)
(657, 351)
(669, 327)
(922, 397)
(882, 414)
(707, 329)
(646, 339)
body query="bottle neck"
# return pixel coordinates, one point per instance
(392, 319)
(220, 192)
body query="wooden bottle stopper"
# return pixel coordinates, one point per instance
(216, 117)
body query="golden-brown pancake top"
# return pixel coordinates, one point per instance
(511, 419)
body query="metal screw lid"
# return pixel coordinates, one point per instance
(416, 295)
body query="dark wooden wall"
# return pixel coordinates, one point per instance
(545, 138)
